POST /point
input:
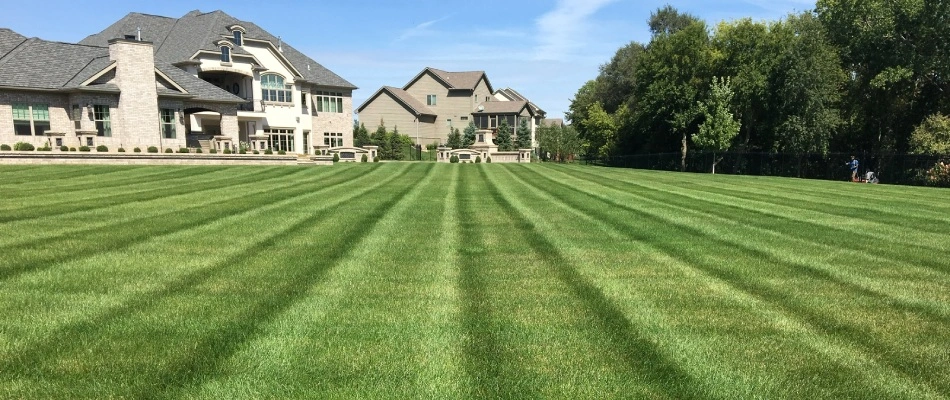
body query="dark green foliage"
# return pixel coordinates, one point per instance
(524, 135)
(468, 138)
(360, 135)
(184, 150)
(5, 147)
(64, 148)
(44, 148)
(169, 150)
(454, 159)
(198, 150)
(932, 136)
(268, 151)
(504, 137)
(136, 150)
(226, 151)
(281, 152)
(562, 142)
(256, 152)
(121, 150)
(242, 151)
(72, 149)
(454, 139)
(213, 150)
(102, 148)
(363, 158)
(488, 160)
(84, 148)
(152, 149)
(23, 146)
(336, 157)
(478, 159)
(376, 159)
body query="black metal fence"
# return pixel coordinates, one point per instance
(902, 169)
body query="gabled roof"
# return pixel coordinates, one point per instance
(402, 97)
(502, 107)
(178, 40)
(454, 80)
(38, 64)
(513, 95)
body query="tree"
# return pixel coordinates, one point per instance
(668, 20)
(719, 129)
(504, 136)
(524, 135)
(380, 138)
(563, 142)
(932, 136)
(360, 135)
(601, 132)
(397, 147)
(455, 139)
(469, 138)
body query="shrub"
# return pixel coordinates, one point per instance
(152, 149)
(268, 151)
(363, 158)
(72, 149)
(939, 174)
(23, 146)
(121, 150)
(45, 148)
(376, 159)
(169, 150)
(184, 150)
(454, 159)
(5, 147)
(63, 148)
(281, 152)
(84, 148)
(198, 150)
(227, 151)
(102, 148)
(136, 150)
(213, 151)
(488, 160)
(242, 151)
(256, 152)
(478, 159)
(336, 157)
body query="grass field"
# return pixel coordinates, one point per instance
(423, 280)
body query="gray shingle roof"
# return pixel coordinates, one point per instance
(502, 107)
(403, 97)
(9, 40)
(179, 39)
(454, 80)
(40, 64)
(197, 87)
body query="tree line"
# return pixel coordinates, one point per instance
(867, 76)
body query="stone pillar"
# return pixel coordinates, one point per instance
(136, 120)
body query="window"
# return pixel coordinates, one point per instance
(332, 139)
(30, 119)
(303, 102)
(100, 114)
(238, 38)
(463, 118)
(274, 89)
(329, 102)
(430, 100)
(168, 123)
(306, 142)
(280, 139)
(225, 54)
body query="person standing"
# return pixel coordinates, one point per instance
(853, 164)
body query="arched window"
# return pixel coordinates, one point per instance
(274, 89)
(225, 54)
(238, 38)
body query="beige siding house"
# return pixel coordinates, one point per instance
(435, 101)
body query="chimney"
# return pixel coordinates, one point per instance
(137, 115)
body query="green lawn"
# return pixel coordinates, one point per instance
(424, 280)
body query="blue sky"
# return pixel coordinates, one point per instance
(545, 49)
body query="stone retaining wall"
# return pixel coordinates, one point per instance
(34, 157)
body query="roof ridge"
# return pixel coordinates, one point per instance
(80, 70)
(16, 49)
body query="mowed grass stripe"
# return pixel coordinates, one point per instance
(63, 226)
(624, 350)
(756, 363)
(813, 298)
(16, 176)
(819, 230)
(102, 199)
(201, 316)
(383, 322)
(99, 181)
(44, 254)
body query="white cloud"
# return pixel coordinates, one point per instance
(422, 29)
(564, 29)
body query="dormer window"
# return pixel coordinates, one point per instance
(238, 38)
(225, 54)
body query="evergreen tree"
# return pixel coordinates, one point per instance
(396, 147)
(360, 135)
(380, 138)
(469, 138)
(524, 135)
(504, 136)
(455, 139)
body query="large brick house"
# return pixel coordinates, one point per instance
(205, 79)
(435, 101)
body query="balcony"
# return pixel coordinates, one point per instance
(251, 105)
